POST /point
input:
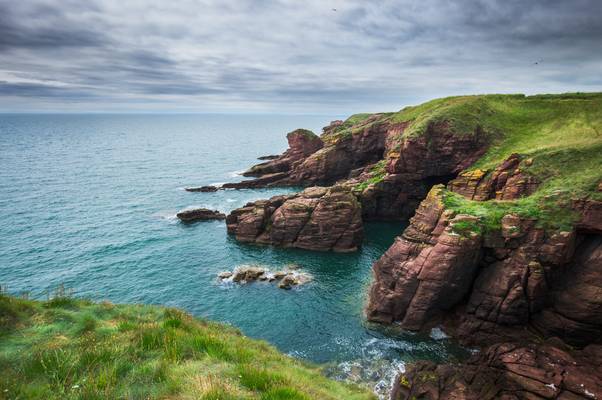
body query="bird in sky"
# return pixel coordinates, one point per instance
(334, 9)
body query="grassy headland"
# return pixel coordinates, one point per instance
(76, 349)
(560, 135)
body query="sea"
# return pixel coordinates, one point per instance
(89, 202)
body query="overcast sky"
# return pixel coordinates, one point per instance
(301, 56)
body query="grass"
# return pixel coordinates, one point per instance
(76, 349)
(377, 172)
(353, 125)
(561, 134)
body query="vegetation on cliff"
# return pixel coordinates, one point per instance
(76, 349)
(558, 136)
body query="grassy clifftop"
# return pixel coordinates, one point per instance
(560, 135)
(75, 349)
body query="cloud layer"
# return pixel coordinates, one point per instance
(337, 56)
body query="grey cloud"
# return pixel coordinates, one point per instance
(285, 55)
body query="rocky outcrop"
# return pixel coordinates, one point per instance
(312, 160)
(508, 181)
(494, 282)
(414, 164)
(285, 279)
(508, 371)
(302, 143)
(429, 269)
(316, 219)
(202, 189)
(199, 214)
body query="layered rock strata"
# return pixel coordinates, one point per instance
(508, 371)
(315, 219)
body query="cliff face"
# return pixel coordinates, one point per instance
(504, 246)
(315, 219)
(494, 277)
(508, 371)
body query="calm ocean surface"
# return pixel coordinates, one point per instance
(89, 201)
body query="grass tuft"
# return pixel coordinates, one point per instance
(76, 349)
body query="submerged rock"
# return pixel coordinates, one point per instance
(199, 214)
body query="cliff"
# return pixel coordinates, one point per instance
(504, 247)
(75, 349)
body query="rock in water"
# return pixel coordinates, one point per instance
(224, 275)
(315, 219)
(270, 157)
(199, 214)
(247, 274)
(287, 282)
(202, 189)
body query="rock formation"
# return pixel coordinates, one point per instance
(516, 276)
(202, 189)
(508, 371)
(302, 143)
(199, 214)
(427, 270)
(285, 279)
(315, 219)
(483, 254)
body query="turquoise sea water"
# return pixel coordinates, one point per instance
(89, 201)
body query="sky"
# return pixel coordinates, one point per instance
(289, 56)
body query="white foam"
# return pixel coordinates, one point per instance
(167, 215)
(438, 334)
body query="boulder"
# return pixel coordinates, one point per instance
(199, 214)
(247, 274)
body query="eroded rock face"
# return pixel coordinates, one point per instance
(507, 182)
(302, 143)
(315, 219)
(494, 283)
(429, 269)
(415, 164)
(508, 371)
(341, 155)
(199, 214)
(575, 313)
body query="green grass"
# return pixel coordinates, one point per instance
(562, 134)
(378, 173)
(354, 125)
(76, 349)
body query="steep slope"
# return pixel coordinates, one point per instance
(75, 349)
